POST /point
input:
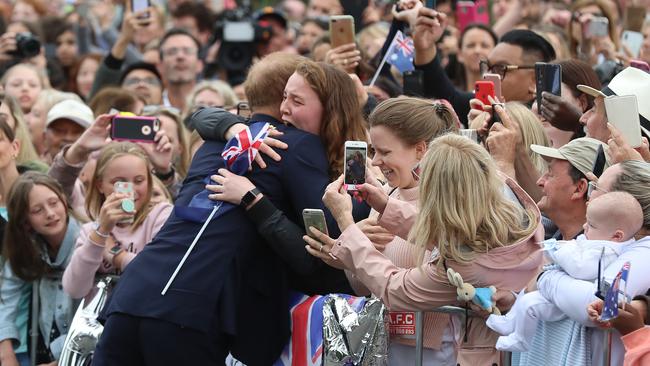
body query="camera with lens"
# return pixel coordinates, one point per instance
(27, 46)
(239, 33)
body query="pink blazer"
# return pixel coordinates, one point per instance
(427, 287)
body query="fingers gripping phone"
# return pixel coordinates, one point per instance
(354, 168)
(623, 113)
(548, 78)
(341, 30)
(316, 218)
(138, 129)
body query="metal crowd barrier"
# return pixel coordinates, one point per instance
(419, 328)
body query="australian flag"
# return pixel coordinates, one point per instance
(238, 155)
(400, 53)
(610, 307)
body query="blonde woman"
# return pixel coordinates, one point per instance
(27, 155)
(211, 93)
(464, 218)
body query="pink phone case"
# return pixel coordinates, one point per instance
(468, 12)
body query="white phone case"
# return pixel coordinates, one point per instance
(633, 41)
(623, 113)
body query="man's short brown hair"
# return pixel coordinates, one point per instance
(265, 83)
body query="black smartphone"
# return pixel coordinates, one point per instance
(548, 78)
(413, 83)
(599, 163)
(495, 116)
(137, 129)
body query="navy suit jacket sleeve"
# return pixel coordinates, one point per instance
(437, 85)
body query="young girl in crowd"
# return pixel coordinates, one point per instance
(24, 82)
(38, 242)
(117, 234)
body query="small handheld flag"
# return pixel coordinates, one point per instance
(400, 54)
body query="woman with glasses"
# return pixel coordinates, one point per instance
(578, 334)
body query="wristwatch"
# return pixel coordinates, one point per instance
(114, 251)
(249, 197)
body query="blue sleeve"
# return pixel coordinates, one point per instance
(10, 292)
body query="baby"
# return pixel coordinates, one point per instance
(612, 221)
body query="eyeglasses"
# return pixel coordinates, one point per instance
(152, 81)
(594, 187)
(500, 69)
(173, 51)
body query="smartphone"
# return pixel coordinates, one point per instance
(483, 89)
(431, 4)
(597, 27)
(623, 113)
(468, 12)
(496, 80)
(495, 116)
(139, 129)
(413, 83)
(128, 204)
(634, 18)
(641, 65)
(316, 218)
(140, 5)
(341, 30)
(548, 78)
(599, 163)
(633, 41)
(354, 168)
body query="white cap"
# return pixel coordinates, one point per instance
(72, 110)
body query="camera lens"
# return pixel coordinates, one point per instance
(27, 45)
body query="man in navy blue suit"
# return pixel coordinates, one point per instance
(230, 295)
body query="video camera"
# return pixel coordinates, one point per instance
(239, 33)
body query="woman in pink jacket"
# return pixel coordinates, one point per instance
(463, 217)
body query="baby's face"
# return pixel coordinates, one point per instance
(598, 227)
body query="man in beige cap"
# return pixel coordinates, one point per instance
(65, 122)
(565, 185)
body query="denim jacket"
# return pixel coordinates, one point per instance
(55, 304)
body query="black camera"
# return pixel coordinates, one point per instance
(239, 34)
(27, 46)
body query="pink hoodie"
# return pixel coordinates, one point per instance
(426, 287)
(87, 258)
(637, 347)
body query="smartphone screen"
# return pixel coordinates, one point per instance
(431, 4)
(341, 30)
(316, 218)
(355, 163)
(141, 129)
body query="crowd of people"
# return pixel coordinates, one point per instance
(540, 194)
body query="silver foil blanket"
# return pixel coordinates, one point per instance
(352, 336)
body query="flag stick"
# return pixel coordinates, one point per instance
(383, 62)
(189, 250)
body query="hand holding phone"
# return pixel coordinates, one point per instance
(354, 168)
(139, 6)
(623, 113)
(483, 89)
(314, 218)
(341, 30)
(496, 80)
(597, 27)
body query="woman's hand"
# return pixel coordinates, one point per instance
(112, 212)
(7, 46)
(373, 193)
(346, 56)
(267, 147)
(620, 150)
(429, 27)
(379, 236)
(231, 187)
(7, 355)
(160, 152)
(339, 202)
(94, 138)
(321, 247)
(408, 11)
(559, 112)
(630, 318)
(503, 140)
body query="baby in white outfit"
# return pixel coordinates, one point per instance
(612, 221)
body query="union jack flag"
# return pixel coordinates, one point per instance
(400, 53)
(305, 347)
(238, 154)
